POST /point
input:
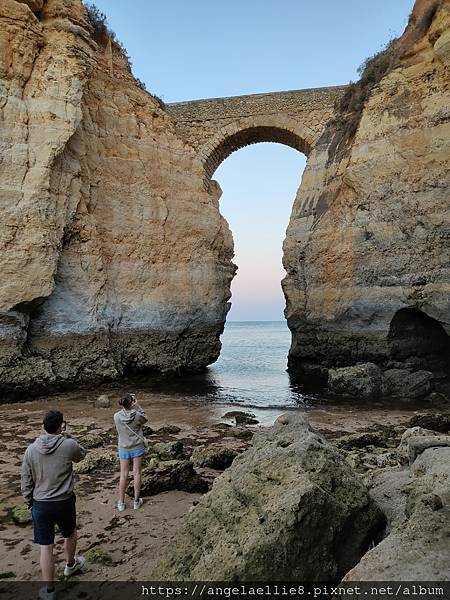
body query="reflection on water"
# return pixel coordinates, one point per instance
(251, 370)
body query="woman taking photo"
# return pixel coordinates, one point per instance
(128, 422)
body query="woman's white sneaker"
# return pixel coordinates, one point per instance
(79, 563)
(120, 506)
(138, 503)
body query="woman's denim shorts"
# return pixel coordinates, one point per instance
(128, 454)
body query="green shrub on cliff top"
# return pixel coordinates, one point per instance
(99, 24)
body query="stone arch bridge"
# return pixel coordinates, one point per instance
(216, 127)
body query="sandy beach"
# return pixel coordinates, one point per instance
(132, 540)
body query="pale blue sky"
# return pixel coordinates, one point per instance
(185, 50)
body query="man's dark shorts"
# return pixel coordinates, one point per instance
(47, 514)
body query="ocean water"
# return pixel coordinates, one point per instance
(250, 372)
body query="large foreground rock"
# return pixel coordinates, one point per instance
(288, 508)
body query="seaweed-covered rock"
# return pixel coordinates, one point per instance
(436, 421)
(359, 381)
(99, 556)
(168, 450)
(361, 440)
(289, 508)
(170, 475)
(92, 440)
(21, 514)
(241, 433)
(213, 456)
(400, 383)
(221, 426)
(241, 417)
(95, 463)
(168, 430)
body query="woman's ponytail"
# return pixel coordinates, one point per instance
(126, 401)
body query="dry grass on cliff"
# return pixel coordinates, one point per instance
(349, 108)
(103, 35)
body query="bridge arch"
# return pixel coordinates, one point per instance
(244, 132)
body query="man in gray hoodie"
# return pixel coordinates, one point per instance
(47, 487)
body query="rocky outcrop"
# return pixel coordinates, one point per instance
(361, 381)
(417, 503)
(214, 456)
(114, 258)
(168, 475)
(289, 508)
(366, 251)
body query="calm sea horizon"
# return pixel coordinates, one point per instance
(250, 372)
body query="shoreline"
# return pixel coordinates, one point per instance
(133, 540)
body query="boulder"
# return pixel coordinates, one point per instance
(431, 471)
(99, 556)
(95, 463)
(92, 440)
(169, 450)
(416, 548)
(361, 440)
(403, 447)
(168, 430)
(221, 426)
(400, 383)
(289, 508)
(359, 381)
(436, 399)
(435, 421)
(239, 432)
(147, 430)
(241, 417)
(21, 514)
(213, 456)
(103, 401)
(170, 475)
(417, 444)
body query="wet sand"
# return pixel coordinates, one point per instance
(133, 539)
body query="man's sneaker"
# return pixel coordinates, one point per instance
(120, 506)
(138, 503)
(77, 566)
(46, 595)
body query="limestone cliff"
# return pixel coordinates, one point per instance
(367, 247)
(114, 257)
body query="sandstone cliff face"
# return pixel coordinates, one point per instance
(367, 247)
(114, 257)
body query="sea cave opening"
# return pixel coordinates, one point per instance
(417, 338)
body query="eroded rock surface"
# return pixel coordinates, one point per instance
(366, 251)
(417, 503)
(289, 508)
(114, 257)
